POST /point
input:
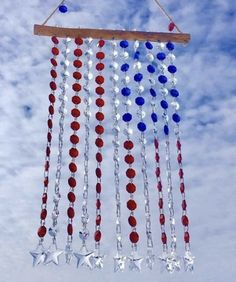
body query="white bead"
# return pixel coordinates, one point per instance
(171, 57)
(161, 45)
(114, 65)
(126, 79)
(117, 102)
(117, 116)
(128, 102)
(115, 54)
(175, 105)
(113, 43)
(150, 57)
(137, 66)
(141, 88)
(115, 77)
(116, 90)
(124, 55)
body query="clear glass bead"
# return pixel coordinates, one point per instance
(88, 100)
(126, 79)
(88, 41)
(116, 129)
(56, 198)
(171, 57)
(114, 77)
(161, 45)
(152, 81)
(87, 88)
(127, 102)
(136, 45)
(87, 113)
(114, 65)
(62, 111)
(66, 40)
(128, 131)
(115, 54)
(117, 145)
(65, 63)
(88, 76)
(64, 86)
(141, 114)
(114, 43)
(84, 234)
(150, 57)
(116, 90)
(55, 215)
(53, 231)
(88, 53)
(124, 55)
(116, 102)
(85, 218)
(141, 89)
(65, 74)
(162, 67)
(175, 105)
(89, 64)
(66, 52)
(173, 263)
(164, 91)
(137, 66)
(63, 98)
(117, 116)
(173, 81)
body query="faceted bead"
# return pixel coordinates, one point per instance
(63, 9)
(178, 145)
(43, 214)
(151, 69)
(129, 159)
(159, 186)
(162, 219)
(153, 92)
(42, 231)
(99, 79)
(157, 157)
(99, 142)
(72, 182)
(170, 46)
(164, 238)
(181, 173)
(74, 152)
(100, 55)
(55, 40)
(50, 123)
(164, 104)
(161, 203)
(76, 100)
(162, 79)
(44, 198)
(150, 57)
(99, 116)
(149, 45)
(98, 188)
(48, 151)
(100, 90)
(172, 69)
(55, 51)
(75, 113)
(99, 157)
(100, 102)
(161, 56)
(174, 93)
(124, 67)
(100, 66)
(77, 64)
(71, 197)
(77, 75)
(130, 173)
(51, 110)
(138, 77)
(127, 117)
(130, 188)
(154, 117)
(53, 62)
(98, 172)
(53, 85)
(182, 188)
(124, 44)
(171, 26)
(166, 129)
(136, 55)
(158, 171)
(185, 220)
(46, 165)
(52, 98)
(176, 118)
(140, 101)
(179, 158)
(134, 237)
(49, 137)
(78, 52)
(98, 219)
(53, 73)
(128, 145)
(98, 204)
(99, 129)
(141, 126)
(132, 221)
(45, 182)
(70, 212)
(70, 229)
(97, 236)
(76, 87)
(125, 91)
(186, 237)
(74, 139)
(131, 205)
(184, 205)
(75, 125)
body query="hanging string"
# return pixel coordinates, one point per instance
(54, 11)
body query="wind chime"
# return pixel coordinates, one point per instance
(142, 80)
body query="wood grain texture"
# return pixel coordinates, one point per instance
(109, 34)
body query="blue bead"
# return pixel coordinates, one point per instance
(166, 130)
(176, 118)
(136, 55)
(153, 92)
(125, 91)
(174, 93)
(164, 104)
(63, 9)
(140, 101)
(141, 126)
(162, 79)
(127, 117)
(149, 45)
(170, 46)
(138, 77)
(154, 117)
(172, 69)
(151, 69)
(161, 56)
(124, 67)
(124, 44)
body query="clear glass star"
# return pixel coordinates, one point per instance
(188, 261)
(84, 258)
(39, 255)
(173, 262)
(135, 262)
(52, 255)
(150, 259)
(119, 263)
(98, 262)
(163, 259)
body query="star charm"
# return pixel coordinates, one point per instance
(135, 263)
(53, 256)
(84, 259)
(98, 262)
(163, 259)
(150, 259)
(119, 263)
(173, 262)
(39, 256)
(188, 261)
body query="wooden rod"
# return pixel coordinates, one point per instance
(108, 34)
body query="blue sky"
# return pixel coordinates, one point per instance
(207, 71)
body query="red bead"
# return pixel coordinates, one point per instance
(77, 64)
(73, 167)
(79, 41)
(100, 102)
(74, 152)
(55, 51)
(78, 52)
(52, 98)
(186, 237)
(100, 90)
(178, 145)
(42, 231)
(158, 171)
(53, 85)
(75, 125)
(132, 221)
(77, 75)
(50, 124)
(99, 157)
(70, 229)
(51, 110)
(97, 236)
(181, 173)
(46, 167)
(98, 172)
(131, 205)
(185, 220)
(76, 100)
(99, 79)
(44, 198)
(72, 182)
(128, 145)
(179, 158)
(98, 219)
(100, 55)
(159, 186)
(54, 40)
(130, 188)
(53, 62)
(184, 205)
(75, 113)
(48, 151)
(101, 43)
(134, 237)
(99, 142)
(129, 159)
(98, 204)
(43, 214)
(71, 197)
(74, 139)
(100, 116)
(49, 137)
(130, 173)
(98, 188)
(182, 188)
(53, 73)
(46, 181)
(162, 219)
(99, 129)
(100, 66)
(157, 157)
(163, 238)
(76, 87)
(171, 26)
(156, 143)
(160, 203)
(70, 212)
